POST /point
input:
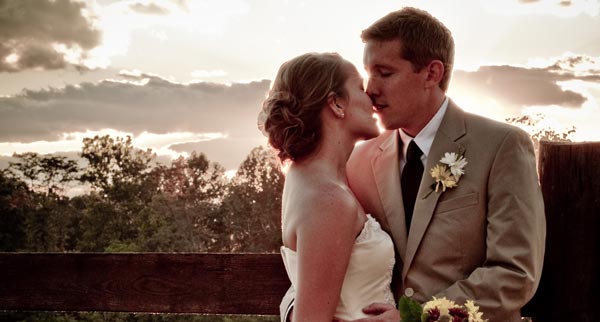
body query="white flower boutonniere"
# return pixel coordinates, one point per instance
(448, 172)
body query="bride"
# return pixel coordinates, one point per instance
(336, 256)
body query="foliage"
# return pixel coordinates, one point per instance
(46, 173)
(138, 205)
(410, 310)
(114, 164)
(14, 204)
(252, 208)
(191, 192)
(538, 131)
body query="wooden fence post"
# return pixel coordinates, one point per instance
(570, 179)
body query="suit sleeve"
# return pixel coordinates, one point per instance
(516, 231)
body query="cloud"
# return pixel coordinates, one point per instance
(208, 73)
(235, 151)
(560, 8)
(183, 4)
(564, 90)
(149, 9)
(585, 67)
(69, 142)
(158, 106)
(178, 117)
(136, 104)
(44, 34)
(519, 87)
(564, 3)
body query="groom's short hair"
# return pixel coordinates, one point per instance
(423, 38)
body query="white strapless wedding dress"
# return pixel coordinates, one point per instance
(369, 272)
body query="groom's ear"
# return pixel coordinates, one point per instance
(333, 106)
(435, 73)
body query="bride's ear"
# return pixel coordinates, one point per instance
(332, 104)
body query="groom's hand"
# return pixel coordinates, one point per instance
(381, 312)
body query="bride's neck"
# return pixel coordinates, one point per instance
(331, 157)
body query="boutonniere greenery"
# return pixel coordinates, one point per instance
(447, 173)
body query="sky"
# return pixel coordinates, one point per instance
(190, 75)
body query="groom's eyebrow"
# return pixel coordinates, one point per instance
(378, 65)
(383, 66)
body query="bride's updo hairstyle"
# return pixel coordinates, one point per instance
(292, 111)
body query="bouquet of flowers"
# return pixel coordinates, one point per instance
(438, 310)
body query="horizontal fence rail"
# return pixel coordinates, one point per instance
(143, 282)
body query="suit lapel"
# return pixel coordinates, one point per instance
(450, 130)
(387, 178)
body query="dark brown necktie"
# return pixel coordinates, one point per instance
(411, 179)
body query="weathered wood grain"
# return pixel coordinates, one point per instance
(175, 283)
(570, 180)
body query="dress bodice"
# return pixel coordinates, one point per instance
(368, 275)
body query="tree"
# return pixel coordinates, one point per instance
(533, 124)
(192, 190)
(14, 204)
(117, 211)
(252, 207)
(49, 224)
(114, 162)
(46, 218)
(45, 173)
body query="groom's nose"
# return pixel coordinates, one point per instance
(371, 89)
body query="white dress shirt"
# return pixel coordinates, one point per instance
(424, 139)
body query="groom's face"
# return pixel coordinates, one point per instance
(396, 89)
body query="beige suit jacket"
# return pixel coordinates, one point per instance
(482, 240)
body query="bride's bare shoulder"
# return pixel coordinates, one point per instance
(323, 201)
(318, 192)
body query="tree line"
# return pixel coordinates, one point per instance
(133, 203)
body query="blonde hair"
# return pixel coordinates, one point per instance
(422, 36)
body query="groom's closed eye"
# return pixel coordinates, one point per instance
(385, 73)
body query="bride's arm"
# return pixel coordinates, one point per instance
(325, 235)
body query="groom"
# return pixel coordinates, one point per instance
(482, 239)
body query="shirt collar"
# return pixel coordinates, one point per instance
(424, 139)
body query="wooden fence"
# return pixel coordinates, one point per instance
(143, 282)
(570, 288)
(255, 283)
